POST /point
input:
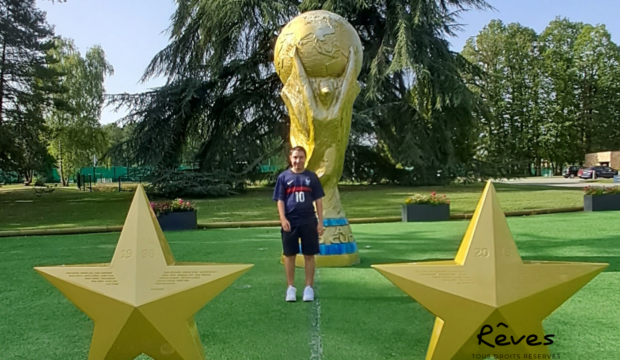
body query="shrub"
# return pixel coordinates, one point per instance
(179, 184)
(601, 190)
(431, 199)
(114, 188)
(177, 205)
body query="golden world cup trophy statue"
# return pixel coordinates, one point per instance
(318, 57)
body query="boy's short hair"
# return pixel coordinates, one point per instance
(298, 148)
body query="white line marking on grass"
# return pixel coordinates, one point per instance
(316, 344)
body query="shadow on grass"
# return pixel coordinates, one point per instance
(424, 246)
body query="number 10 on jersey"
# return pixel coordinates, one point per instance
(300, 196)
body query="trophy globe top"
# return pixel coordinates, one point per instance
(323, 41)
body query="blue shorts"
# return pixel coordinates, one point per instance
(307, 234)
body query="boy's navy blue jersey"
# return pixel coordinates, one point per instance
(298, 192)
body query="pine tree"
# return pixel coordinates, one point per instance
(223, 91)
(27, 85)
(25, 38)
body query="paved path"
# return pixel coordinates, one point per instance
(556, 181)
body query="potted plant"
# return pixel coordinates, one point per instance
(175, 215)
(426, 208)
(601, 198)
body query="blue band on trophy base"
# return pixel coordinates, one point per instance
(338, 249)
(335, 222)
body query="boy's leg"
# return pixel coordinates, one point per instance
(310, 267)
(290, 249)
(310, 247)
(289, 268)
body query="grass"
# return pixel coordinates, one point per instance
(362, 315)
(64, 208)
(601, 181)
(22, 209)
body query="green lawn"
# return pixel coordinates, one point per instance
(604, 181)
(22, 209)
(358, 313)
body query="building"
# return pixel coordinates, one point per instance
(604, 158)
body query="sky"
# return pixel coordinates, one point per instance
(131, 32)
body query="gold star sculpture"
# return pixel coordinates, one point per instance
(143, 302)
(488, 300)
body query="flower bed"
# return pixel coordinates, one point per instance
(175, 215)
(601, 198)
(426, 208)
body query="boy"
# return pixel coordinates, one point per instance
(297, 189)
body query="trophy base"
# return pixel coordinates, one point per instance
(338, 247)
(327, 260)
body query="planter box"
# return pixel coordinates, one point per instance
(426, 212)
(608, 202)
(185, 220)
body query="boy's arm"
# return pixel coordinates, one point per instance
(319, 213)
(318, 194)
(278, 195)
(285, 224)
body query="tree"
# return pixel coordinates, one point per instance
(510, 119)
(76, 135)
(25, 37)
(223, 92)
(551, 97)
(580, 63)
(117, 153)
(596, 64)
(27, 86)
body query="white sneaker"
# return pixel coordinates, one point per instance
(291, 294)
(308, 293)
